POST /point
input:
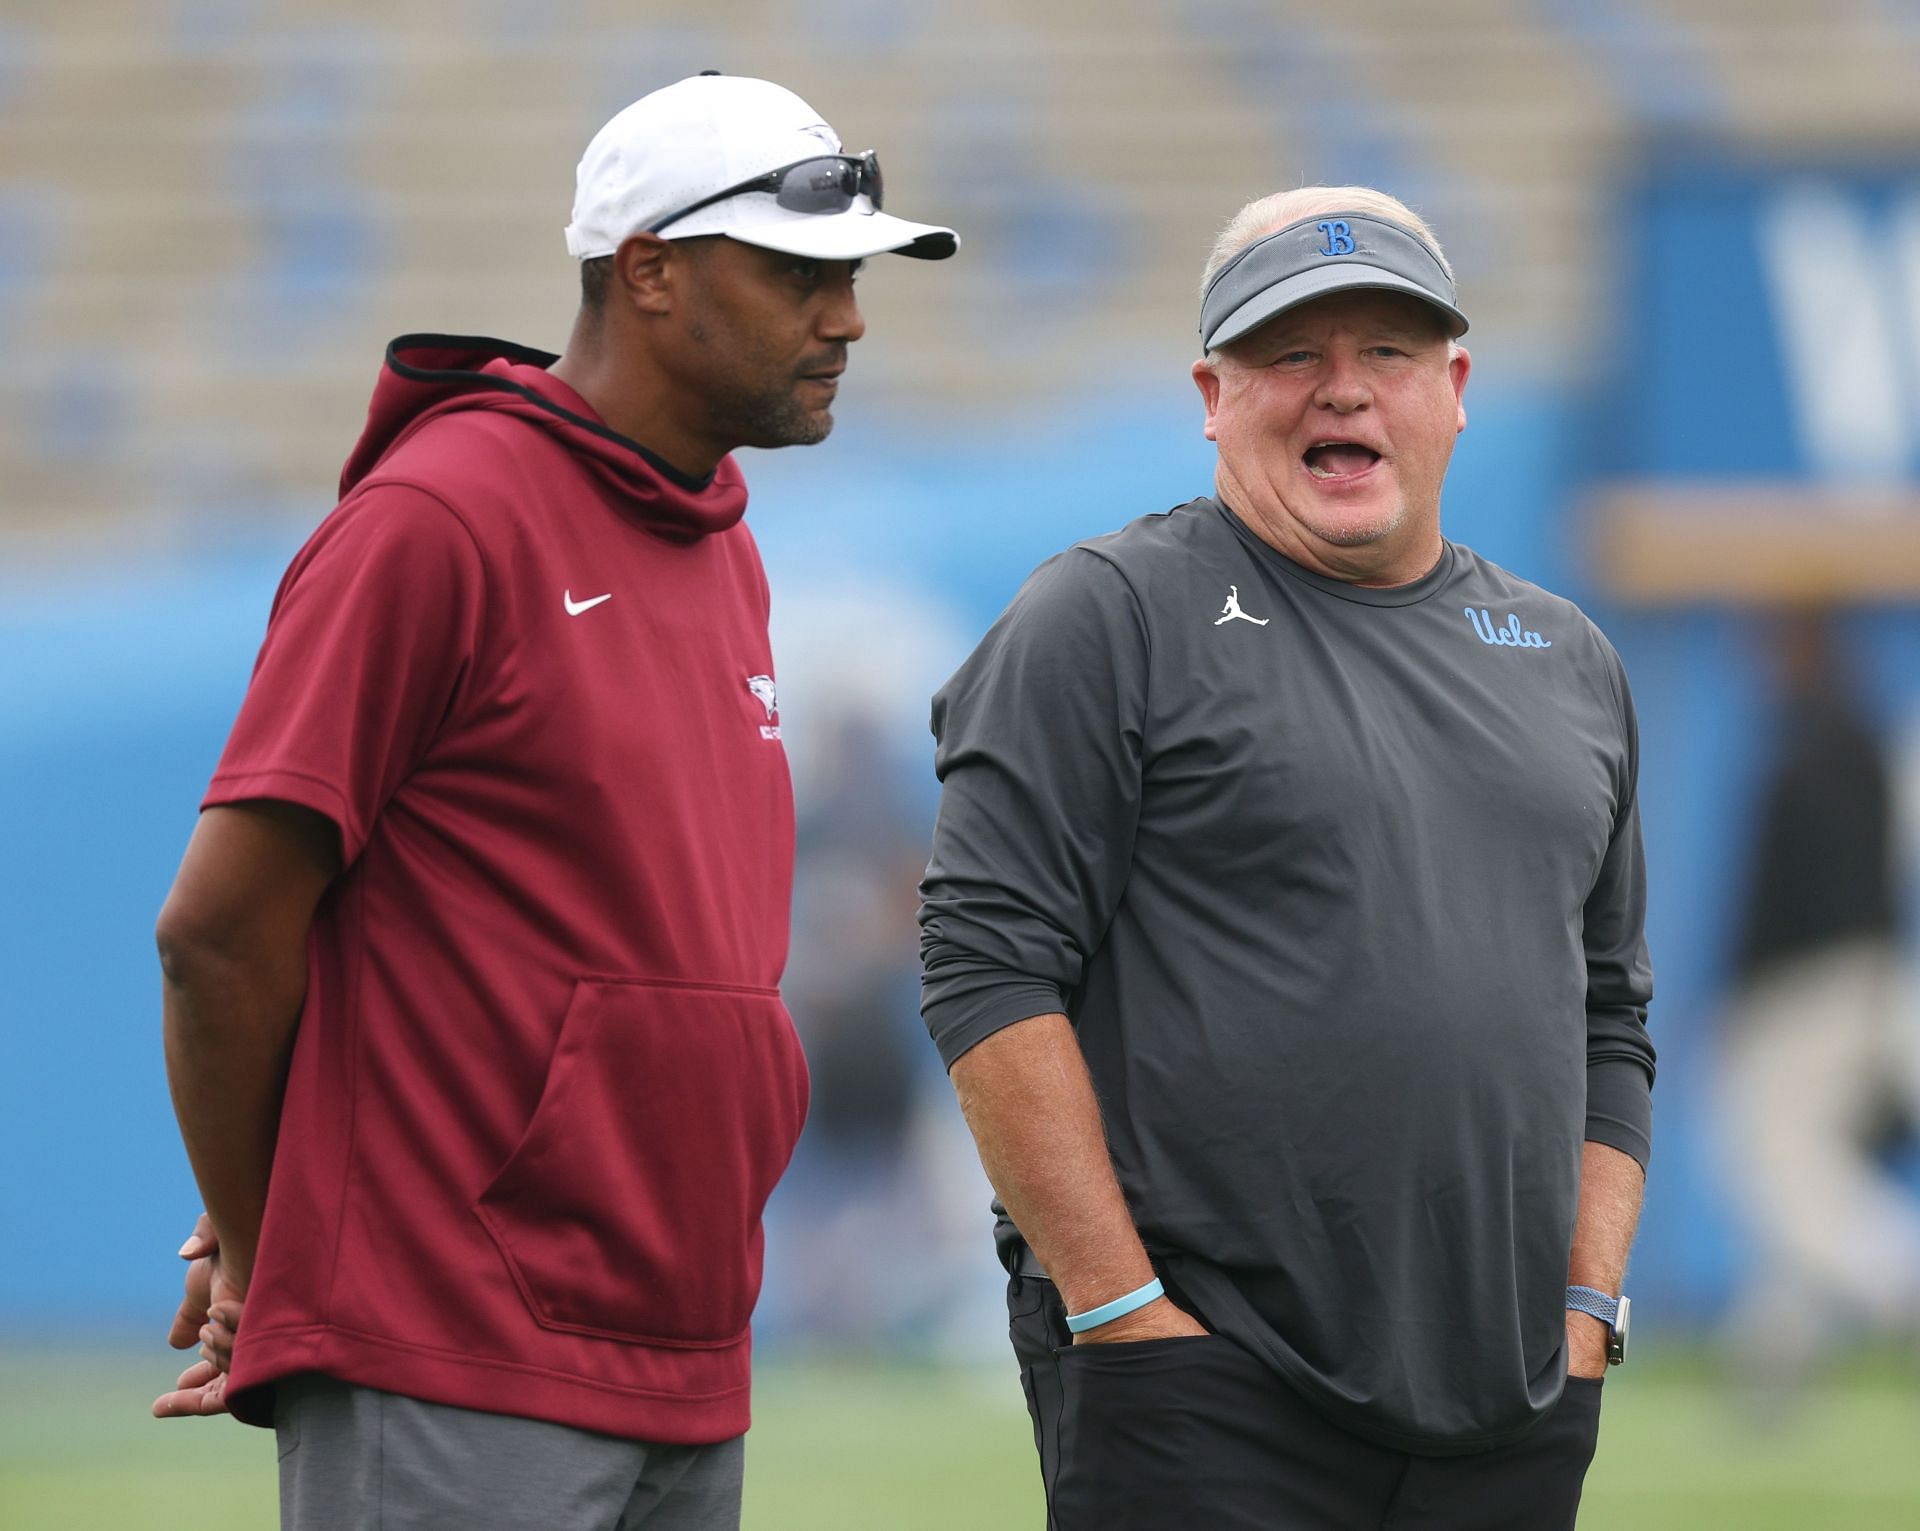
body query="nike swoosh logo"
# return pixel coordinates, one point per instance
(574, 608)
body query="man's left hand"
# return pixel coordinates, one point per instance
(202, 1389)
(209, 1314)
(1586, 1345)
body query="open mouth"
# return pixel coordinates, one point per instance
(1339, 459)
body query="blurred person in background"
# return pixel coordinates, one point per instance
(1820, 1051)
(471, 967)
(1283, 938)
(857, 1180)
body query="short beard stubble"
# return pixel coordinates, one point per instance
(759, 411)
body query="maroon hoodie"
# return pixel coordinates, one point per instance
(543, 1080)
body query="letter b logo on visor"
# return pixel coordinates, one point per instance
(1339, 236)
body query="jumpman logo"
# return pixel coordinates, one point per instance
(1232, 610)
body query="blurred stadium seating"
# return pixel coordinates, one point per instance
(213, 212)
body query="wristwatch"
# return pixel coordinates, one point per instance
(1611, 1311)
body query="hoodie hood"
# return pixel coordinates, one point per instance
(426, 376)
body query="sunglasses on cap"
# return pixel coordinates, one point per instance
(827, 183)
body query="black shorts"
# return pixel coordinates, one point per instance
(1192, 1433)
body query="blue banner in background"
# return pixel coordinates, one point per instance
(1769, 322)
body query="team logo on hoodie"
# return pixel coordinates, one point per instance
(762, 687)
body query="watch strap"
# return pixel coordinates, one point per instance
(1591, 1300)
(1611, 1311)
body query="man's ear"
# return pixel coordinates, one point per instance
(1206, 378)
(1459, 365)
(644, 273)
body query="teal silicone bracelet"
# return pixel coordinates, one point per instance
(1120, 1307)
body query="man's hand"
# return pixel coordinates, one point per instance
(1157, 1320)
(1586, 1345)
(200, 1390)
(209, 1315)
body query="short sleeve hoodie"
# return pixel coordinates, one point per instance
(543, 1081)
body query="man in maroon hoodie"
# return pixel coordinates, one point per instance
(471, 968)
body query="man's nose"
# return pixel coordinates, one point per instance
(841, 320)
(1343, 387)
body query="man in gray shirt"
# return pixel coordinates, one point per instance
(1283, 937)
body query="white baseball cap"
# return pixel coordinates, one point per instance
(705, 136)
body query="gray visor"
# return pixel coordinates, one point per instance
(1330, 252)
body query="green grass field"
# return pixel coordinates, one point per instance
(849, 1446)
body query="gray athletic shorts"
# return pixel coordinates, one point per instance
(356, 1459)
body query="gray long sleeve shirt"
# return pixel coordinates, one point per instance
(1342, 890)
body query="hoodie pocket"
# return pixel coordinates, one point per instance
(631, 1207)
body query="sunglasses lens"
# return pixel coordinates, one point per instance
(819, 186)
(829, 185)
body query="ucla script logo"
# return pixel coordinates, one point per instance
(1339, 236)
(1510, 636)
